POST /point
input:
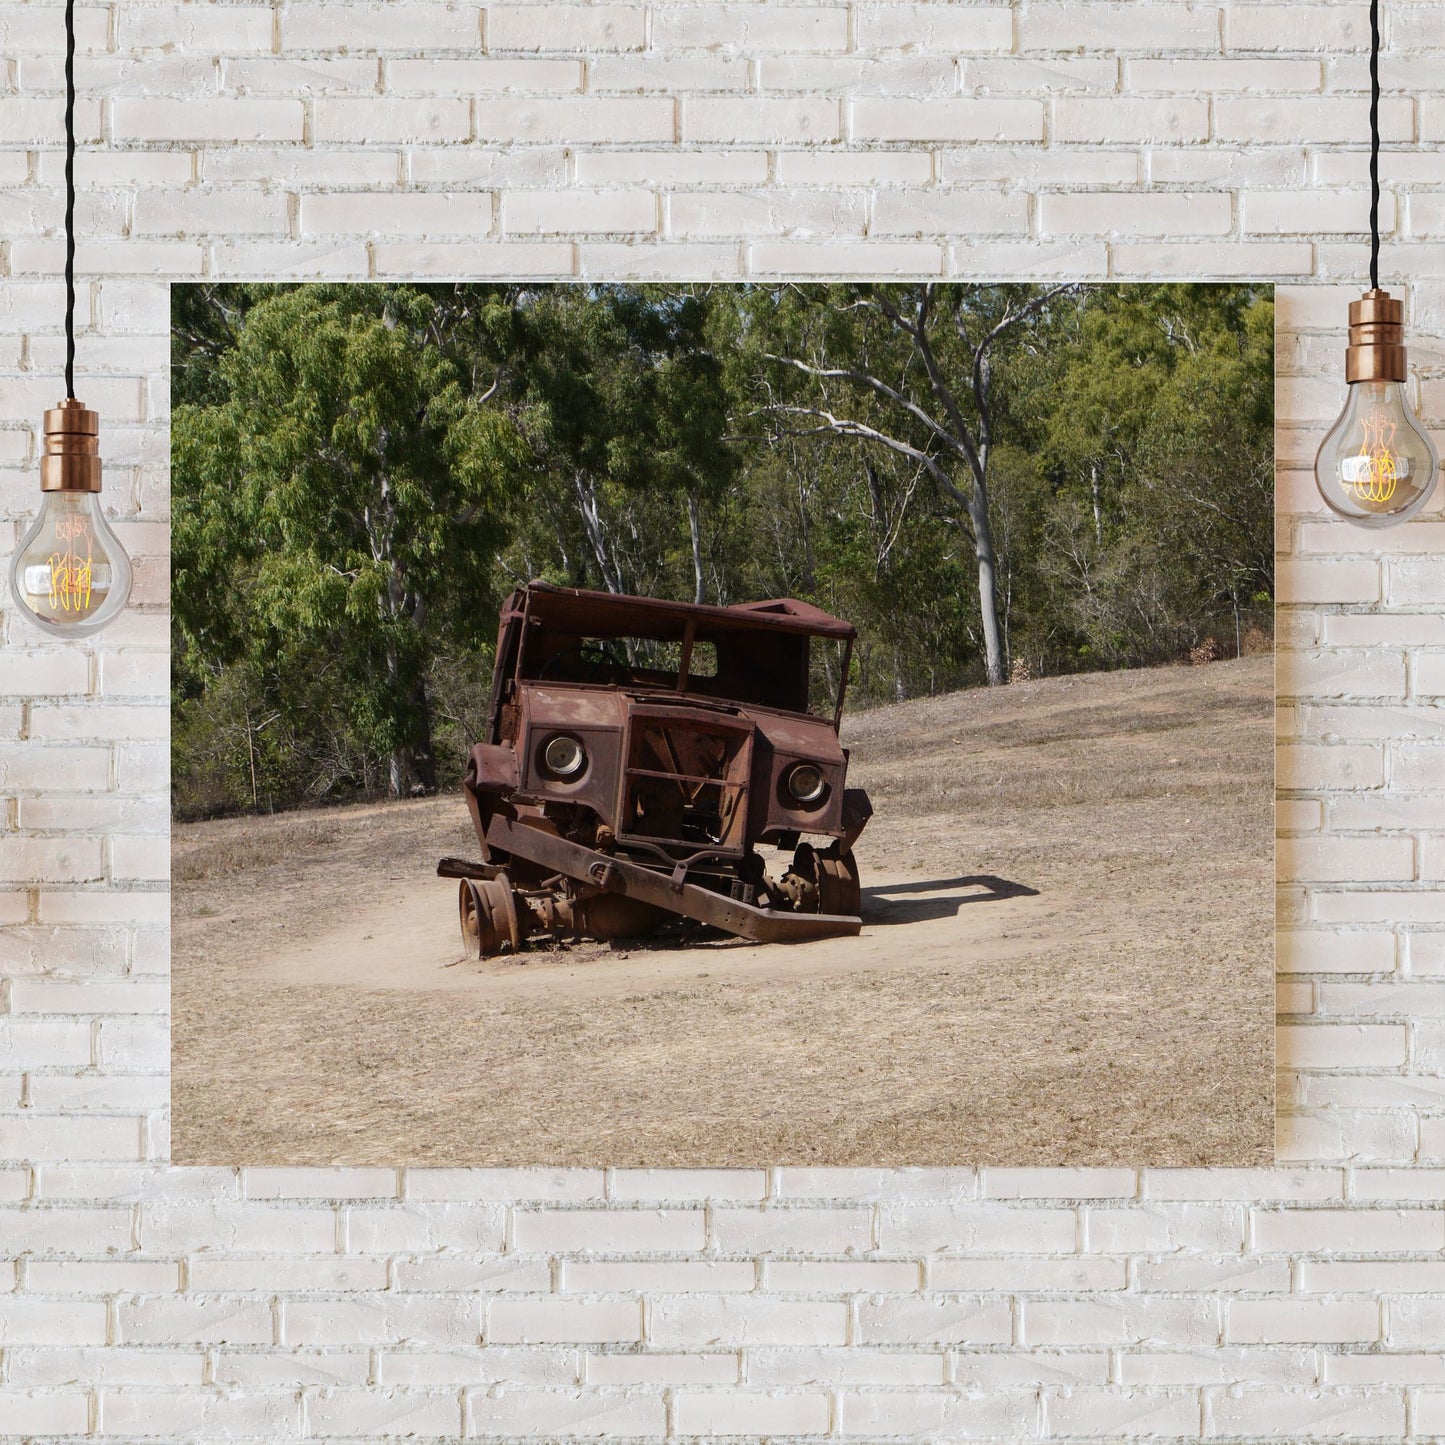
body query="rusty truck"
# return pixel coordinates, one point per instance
(640, 755)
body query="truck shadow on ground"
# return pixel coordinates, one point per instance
(928, 899)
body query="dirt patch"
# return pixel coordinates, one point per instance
(1066, 959)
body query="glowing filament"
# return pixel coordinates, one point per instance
(70, 572)
(1376, 472)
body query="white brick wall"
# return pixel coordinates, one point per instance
(309, 138)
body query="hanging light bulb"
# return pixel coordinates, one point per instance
(70, 575)
(1377, 466)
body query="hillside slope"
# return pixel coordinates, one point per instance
(1121, 1012)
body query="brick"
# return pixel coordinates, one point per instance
(1285, 1321)
(1277, 27)
(594, 212)
(332, 1183)
(615, 120)
(1311, 213)
(793, 1365)
(668, 1276)
(1107, 26)
(654, 1368)
(1322, 121)
(1330, 766)
(371, 27)
(391, 1412)
(467, 1185)
(1341, 1045)
(685, 73)
(753, 29)
(317, 75)
(672, 169)
(1154, 1321)
(1415, 1323)
(199, 1414)
(340, 212)
(510, 1412)
(1066, 1275)
(1321, 951)
(949, 28)
(1217, 76)
(1156, 1228)
(776, 1231)
(1334, 673)
(1059, 1183)
(1371, 1277)
(1346, 860)
(1224, 260)
(244, 1275)
(487, 75)
(254, 1228)
(253, 1368)
(677, 1185)
(446, 1272)
(949, 1320)
(1119, 1413)
(545, 1321)
(216, 29)
(618, 1231)
(733, 1412)
(381, 1318)
(1292, 1415)
(946, 120)
(552, 1365)
(65, 1322)
(751, 121)
(158, 119)
(700, 1321)
(42, 1231)
(372, 120)
(59, 767)
(566, 28)
(809, 258)
(219, 1319)
(43, 1043)
(767, 213)
(1395, 1368)
(1350, 1231)
(823, 1276)
(25, 1413)
(948, 212)
(1155, 213)
(1114, 119)
(978, 1229)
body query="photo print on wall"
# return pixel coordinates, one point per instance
(723, 725)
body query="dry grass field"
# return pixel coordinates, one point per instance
(1111, 1005)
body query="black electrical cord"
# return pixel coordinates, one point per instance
(1374, 145)
(70, 199)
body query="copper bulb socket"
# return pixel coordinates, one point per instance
(1377, 338)
(70, 457)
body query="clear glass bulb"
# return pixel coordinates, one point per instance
(1377, 466)
(70, 574)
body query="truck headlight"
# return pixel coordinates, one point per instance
(806, 783)
(563, 756)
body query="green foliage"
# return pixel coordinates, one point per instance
(362, 472)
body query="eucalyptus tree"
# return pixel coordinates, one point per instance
(908, 368)
(343, 494)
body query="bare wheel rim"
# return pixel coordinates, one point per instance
(838, 890)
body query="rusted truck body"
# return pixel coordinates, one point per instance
(638, 755)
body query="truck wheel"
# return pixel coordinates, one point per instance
(825, 882)
(488, 916)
